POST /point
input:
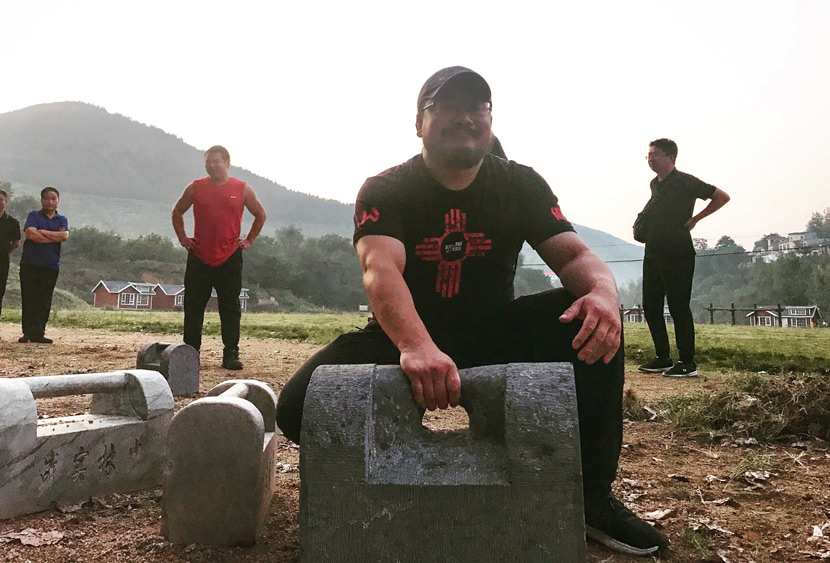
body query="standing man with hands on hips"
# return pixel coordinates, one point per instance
(214, 259)
(664, 226)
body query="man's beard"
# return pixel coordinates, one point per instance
(462, 158)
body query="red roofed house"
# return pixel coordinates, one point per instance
(149, 296)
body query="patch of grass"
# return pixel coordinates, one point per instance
(701, 541)
(744, 348)
(633, 409)
(318, 328)
(761, 406)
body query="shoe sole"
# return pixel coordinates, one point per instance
(690, 374)
(654, 370)
(617, 545)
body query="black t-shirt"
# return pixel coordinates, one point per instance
(9, 232)
(672, 203)
(461, 246)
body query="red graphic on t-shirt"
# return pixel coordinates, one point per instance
(452, 248)
(366, 216)
(556, 212)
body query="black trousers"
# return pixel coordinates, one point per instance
(669, 277)
(199, 280)
(36, 288)
(4, 276)
(527, 330)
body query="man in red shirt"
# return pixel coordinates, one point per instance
(214, 259)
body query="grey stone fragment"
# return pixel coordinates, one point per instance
(221, 467)
(378, 486)
(178, 363)
(119, 447)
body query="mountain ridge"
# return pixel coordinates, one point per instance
(124, 176)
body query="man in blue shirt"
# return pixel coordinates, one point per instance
(45, 230)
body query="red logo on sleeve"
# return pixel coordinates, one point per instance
(556, 212)
(364, 216)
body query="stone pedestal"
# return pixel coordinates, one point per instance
(119, 447)
(221, 468)
(178, 363)
(376, 485)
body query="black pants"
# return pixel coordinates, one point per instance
(199, 280)
(4, 275)
(36, 288)
(670, 278)
(527, 330)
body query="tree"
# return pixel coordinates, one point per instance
(819, 223)
(700, 244)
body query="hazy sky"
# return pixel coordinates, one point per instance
(319, 95)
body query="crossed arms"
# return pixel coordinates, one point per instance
(433, 375)
(42, 236)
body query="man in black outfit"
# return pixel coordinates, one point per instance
(664, 226)
(438, 238)
(9, 240)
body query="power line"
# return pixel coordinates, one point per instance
(736, 253)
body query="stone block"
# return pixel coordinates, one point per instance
(221, 466)
(178, 363)
(118, 447)
(376, 485)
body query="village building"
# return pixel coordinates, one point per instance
(791, 316)
(140, 296)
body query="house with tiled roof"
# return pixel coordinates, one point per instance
(140, 296)
(791, 316)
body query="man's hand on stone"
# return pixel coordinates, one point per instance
(599, 337)
(433, 376)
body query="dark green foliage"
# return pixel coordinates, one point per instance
(764, 407)
(819, 223)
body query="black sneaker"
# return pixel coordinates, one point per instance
(23, 339)
(613, 525)
(682, 369)
(657, 365)
(230, 360)
(41, 340)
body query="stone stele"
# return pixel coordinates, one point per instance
(119, 447)
(221, 466)
(376, 485)
(178, 363)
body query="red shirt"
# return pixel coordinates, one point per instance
(217, 218)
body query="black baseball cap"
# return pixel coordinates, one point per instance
(435, 82)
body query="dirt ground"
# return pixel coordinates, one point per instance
(728, 501)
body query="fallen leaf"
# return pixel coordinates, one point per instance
(752, 536)
(659, 514)
(677, 477)
(33, 537)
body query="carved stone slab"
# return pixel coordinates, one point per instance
(119, 447)
(178, 363)
(221, 469)
(376, 485)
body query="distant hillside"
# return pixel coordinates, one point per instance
(125, 176)
(120, 175)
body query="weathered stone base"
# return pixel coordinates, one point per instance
(378, 486)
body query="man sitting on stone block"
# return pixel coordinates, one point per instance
(438, 238)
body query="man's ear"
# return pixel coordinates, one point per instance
(419, 121)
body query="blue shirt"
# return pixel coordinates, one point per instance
(45, 254)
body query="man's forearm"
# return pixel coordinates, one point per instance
(178, 225)
(393, 306)
(256, 227)
(53, 236)
(587, 273)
